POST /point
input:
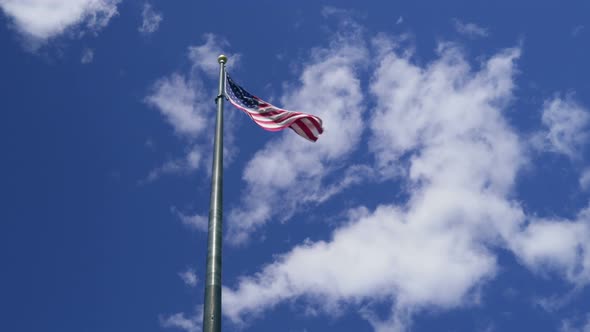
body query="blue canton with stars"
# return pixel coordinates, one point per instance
(240, 96)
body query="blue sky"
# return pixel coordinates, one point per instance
(449, 192)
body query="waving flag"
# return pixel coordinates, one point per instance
(270, 117)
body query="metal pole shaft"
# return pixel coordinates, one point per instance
(212, 310)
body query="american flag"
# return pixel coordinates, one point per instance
(270, 117)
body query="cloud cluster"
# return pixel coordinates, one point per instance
(442, 129)
(447, 118)
(40, 20)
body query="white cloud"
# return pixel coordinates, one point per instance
(150, 19)
(87, 56)
(184, 165)
(577, 30)
(567, 126)
(400, 20)
(44, 19)
(181, 321)
(189, 277)
(204, 61)
(182, 102)
(185, 101)
(328, 11)
(585, 179)
(471, 30)
(294, 169)
(555, 302)
(198, 222)
(558, 245)
(571, 325)
(204, 57)
(446, 120)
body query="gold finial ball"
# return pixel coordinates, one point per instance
(222, 59)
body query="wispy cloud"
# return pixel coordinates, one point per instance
(328, 11)
(567, 127)
(150, 19)
(196, 221)
(184, 165)
(585, 179)
(576, 325)
(189, 277)
(471, 30)
(87, 56)
(184, 100)
(577, 30)
(181, 321)
(201, 56)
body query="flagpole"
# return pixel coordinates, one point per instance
(212, 310)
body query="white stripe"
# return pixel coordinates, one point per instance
(272, 117)
(284, 123)
(300, 132)
(311, 127)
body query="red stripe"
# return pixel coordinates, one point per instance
(316, 124)
(273, 112)
(295, 126)
(267, 129)
(306, 130)
(278, 120)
